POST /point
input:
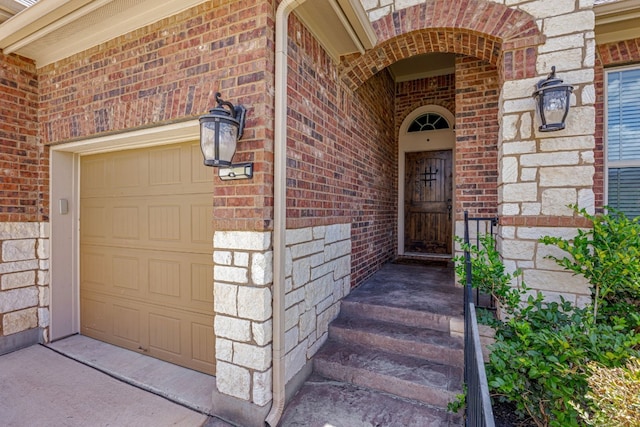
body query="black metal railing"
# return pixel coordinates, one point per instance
(478, 410)
(473, 234)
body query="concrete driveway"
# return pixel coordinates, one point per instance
(39, 387)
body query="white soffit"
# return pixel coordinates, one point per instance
(617, 20)
(341, 26)
(52, 30)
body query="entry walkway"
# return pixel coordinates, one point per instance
(39, 387)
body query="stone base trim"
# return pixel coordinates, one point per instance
(546, 221)
(297, 381)
(20, 340)
(238, 411)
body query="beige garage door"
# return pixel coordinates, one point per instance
(146, 273)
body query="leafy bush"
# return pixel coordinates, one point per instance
(543, 349)
(614, 396)
(608, 256)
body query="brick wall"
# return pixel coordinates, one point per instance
(342, 154)
(23, 162)
(170, 71)
(477, 130)
(410, 95)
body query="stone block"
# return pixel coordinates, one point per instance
(518, 250)
(43, 296)
(550, 159)
(224, 350)
(528, 174)
(526, 124)
(42, 251)
(510, 126)
(337, 232)
(567, 143)
(18, 321)
(294, 297)
(586, 200)
(554, 44)
(325, 318)
(523, 192)
(337, 250)
(295, 360)
(252, 356)
(317, 291)
(567, 24)
(254, 303)
(291, 338)
(232, 328)
(18, 299)
(43, 317)
(301, 272)
(241, 259)
(519, 147)
(319, 232)
(567, 176)
(262, 332)
(536, 233)
(556, 281)
(225, 298)
(509, 169)
(262, 268)
(543, 262)
(291, 317)
(555, 201)
(233, 380)
(17, 280)
(531, 208)
(19, 230)
(262, 387)
(520, 90)
(18, 250)
(307, 249)
(242, 240)
(509, 209)
(298, 235)
(307, 323)
(230, 274)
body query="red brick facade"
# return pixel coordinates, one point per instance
(170, 71)
(24, 162)
(477, 93)
(342, 154)
(489, 31)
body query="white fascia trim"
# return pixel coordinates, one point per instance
(141, 138)
(621, 8)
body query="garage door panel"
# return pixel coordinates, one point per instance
(145, 253)
(179, 223)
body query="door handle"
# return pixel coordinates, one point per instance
(449, 207)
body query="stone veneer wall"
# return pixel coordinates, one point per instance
(318, 266)
(24, 284)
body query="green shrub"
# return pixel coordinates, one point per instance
(543, 349)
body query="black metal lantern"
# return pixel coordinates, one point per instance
(553, 98)
(220, 131)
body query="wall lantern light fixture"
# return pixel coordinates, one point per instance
(553, 98)
(220, 131)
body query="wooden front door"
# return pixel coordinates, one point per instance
(428, 202)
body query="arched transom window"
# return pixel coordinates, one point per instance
(428, 121)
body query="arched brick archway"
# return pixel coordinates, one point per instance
(501, 36)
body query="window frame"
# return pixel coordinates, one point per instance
(617, 164)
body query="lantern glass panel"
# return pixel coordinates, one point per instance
(554, 105)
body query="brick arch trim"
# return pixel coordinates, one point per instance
(477, 28)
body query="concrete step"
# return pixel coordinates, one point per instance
(431, 319)
(402, 375)
(323, 402)
(429, 344)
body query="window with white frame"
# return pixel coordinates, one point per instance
(623, 140)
